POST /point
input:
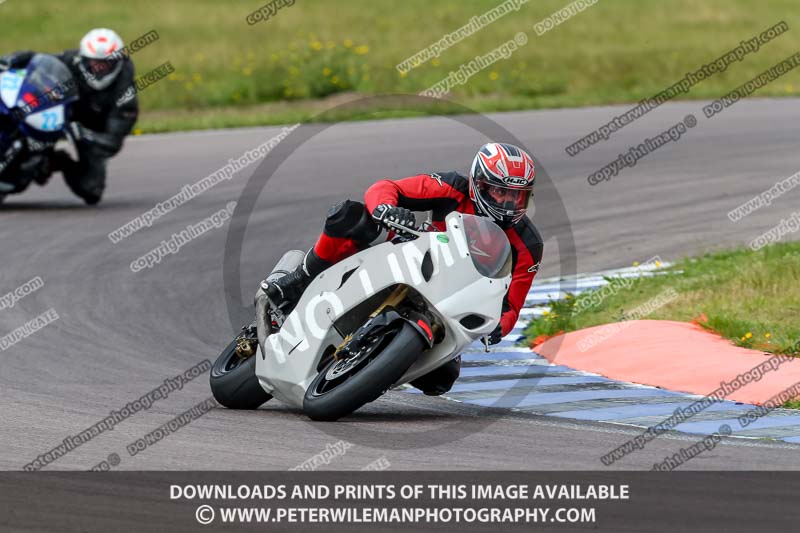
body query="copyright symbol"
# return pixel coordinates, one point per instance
(690, 121)
(521, 38)
(204, 514)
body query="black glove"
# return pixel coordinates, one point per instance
(394, 218)
(79, 133)
(495, 336)
(105, 144)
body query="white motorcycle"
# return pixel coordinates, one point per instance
(376, 320)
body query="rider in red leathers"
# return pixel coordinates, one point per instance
(499, 186)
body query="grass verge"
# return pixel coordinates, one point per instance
(750, 297)
(229, 73)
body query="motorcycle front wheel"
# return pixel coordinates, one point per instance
(234, 382)
(345, 385)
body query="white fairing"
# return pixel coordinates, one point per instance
(48, 120)
(288, 363)
(10, 84)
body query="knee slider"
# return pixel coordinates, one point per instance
(351, 220)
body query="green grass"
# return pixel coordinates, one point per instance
(751, 298)
(280, 71)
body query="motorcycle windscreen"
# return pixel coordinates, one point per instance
(489, 248)
(48, 83)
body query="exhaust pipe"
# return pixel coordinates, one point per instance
(288, 263)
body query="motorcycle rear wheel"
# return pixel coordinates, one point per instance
(344, 386)
(234, 382)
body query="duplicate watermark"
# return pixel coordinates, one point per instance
(165, 430)
(776, 401)
(267, 11)
(179, 240)
(765, 198)
(189, 192)
(106, 464)
(144, 81)
(749, 87)
(467, 70)
(709, 442)
(116, 417)
(562, 15)
(596, 297)
(682, 414)
(682, 86)
(609, 330)
(28, 328)
(338, 449)
(378, 465)
(475, 24)
(684, 455)
(635, 153)
(614, 286)
(788, 225)
(55, 94)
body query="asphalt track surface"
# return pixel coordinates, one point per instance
(120, 334)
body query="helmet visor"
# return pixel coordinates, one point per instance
(504, 199)
(100, 68)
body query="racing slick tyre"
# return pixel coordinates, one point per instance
(345, 385)
(234, 382)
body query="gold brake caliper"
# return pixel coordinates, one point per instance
(246, 348)
(394, 299)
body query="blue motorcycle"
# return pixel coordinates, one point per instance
(34, 113)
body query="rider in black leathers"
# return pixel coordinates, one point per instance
(100, 120)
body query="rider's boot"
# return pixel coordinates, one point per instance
(286, 291)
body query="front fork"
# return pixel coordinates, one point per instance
(386, 314)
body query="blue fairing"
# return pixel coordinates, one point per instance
(35, 101)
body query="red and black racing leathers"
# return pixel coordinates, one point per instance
(347, 229)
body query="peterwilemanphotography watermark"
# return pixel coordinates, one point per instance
(177, 241)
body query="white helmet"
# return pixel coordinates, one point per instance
(101, 58)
